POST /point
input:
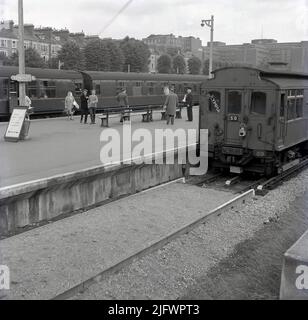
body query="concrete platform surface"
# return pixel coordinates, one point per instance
(58, 146)
(50, 260)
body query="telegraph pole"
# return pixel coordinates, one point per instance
(210, 24)
(21, 53)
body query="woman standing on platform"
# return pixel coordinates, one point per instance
(69, 104)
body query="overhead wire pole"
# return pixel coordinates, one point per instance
(210, 24)
(21, 53)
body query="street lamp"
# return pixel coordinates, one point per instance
(210, 24)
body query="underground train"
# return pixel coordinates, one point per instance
(50, 88)
(257, 120)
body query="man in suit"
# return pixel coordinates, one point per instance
(189, 104)
(84, 108)
(171, 105)
(122, 99)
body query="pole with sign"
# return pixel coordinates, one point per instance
(19, 124)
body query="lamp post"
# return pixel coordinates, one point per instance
(21, 53)
(210, 24)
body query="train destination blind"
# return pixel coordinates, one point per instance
(15, 125)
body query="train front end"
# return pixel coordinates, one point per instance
(237, 109)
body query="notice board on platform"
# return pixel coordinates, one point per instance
(14, 129)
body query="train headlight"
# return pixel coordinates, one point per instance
(243, 131)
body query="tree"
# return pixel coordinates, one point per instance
(71, 56)
(164, 64)
(136, 55)
(97, 56)
(32, 59)
(172, 51)
(194, 65)
(53, 63)
(179, 64)
(116, 55)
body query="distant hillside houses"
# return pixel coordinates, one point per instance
(47, 41)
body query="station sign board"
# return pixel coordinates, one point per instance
(23, 78)
(14, 129)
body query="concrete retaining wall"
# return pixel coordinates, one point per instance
(43, 200)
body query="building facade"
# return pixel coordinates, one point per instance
(262, 53)
(46, 41)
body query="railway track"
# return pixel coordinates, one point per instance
(240, 184)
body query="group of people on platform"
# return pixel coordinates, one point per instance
(88, 105)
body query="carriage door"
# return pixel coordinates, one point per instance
(283, 122)
(234, 103)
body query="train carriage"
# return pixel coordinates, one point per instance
(257, 119)
(47, 92)
(142, 88)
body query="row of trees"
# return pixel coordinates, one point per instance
(97, 55)
(177, 64)
(110, 55)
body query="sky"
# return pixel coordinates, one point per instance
(236, 21)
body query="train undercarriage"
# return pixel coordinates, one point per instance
(237, 160)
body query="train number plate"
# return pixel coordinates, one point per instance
(234, 118)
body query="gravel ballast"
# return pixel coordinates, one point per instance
(193, 265)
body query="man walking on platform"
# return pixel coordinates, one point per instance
(123, 101)
(93, 101)
(84, 109)
(171, 105)
(189, 105)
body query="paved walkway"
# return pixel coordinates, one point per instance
(50, 260)
(59, 146)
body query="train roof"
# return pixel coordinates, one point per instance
(95, 75)
(269, 72)
(282, 79)
(8, 71)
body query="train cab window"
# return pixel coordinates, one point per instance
(282, 104)
(291, 109)
(299, 103)
(214, 101)
(258, 103)
(234, 102)
(295, 104)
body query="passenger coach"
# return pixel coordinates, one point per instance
(257, 120)
(49, 90)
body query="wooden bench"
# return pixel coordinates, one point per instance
(145, 111)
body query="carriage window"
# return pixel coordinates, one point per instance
(150, 86)
(98, 89)
(47, 89)
(258, 103)
(214, 101)
(234, 102)
(32, 89)
(3, 89)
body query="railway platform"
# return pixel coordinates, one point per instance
(57, 146)
(58, 259)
